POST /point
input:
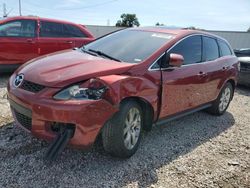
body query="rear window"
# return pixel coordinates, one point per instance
(210, 49)
(53, 29)
(224, 48)
(72, 31)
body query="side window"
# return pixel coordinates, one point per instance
(51, 29)
(72, 31)
(224, 48)
(156, 64)
(190, 49)
(19, 28)
(210, 49)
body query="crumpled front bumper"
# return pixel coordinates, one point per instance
(41, 111)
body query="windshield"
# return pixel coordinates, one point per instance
(131, 46)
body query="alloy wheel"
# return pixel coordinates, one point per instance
(225, 99)
(132, 128)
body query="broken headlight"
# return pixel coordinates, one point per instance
(94, 91)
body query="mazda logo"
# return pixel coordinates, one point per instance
(18, 80)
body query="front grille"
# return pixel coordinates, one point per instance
(22, 114)
(32, 87)
(244, 67)
(24, 120)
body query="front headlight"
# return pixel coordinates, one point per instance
(78, 92)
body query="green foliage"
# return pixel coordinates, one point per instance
(159, 24)
(128, 20)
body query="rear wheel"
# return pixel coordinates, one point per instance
(222, 102)
(121, 135)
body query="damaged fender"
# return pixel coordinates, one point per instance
(121, 87)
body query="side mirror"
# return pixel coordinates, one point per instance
(171, 60)
(175, 60)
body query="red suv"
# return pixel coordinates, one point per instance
(24, 38)
(121, 84)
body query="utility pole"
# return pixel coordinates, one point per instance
(4, 11)
(20, 8)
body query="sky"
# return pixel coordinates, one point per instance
(230, 15)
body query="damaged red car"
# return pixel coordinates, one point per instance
(121, 84)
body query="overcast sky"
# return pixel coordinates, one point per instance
(207, 14)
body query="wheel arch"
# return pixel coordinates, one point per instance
(232, 81)
(147, 110)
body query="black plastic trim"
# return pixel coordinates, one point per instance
(181, 114)
(20, 109)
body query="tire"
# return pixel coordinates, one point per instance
(121, 135)
(221, 104)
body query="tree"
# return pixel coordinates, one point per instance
(159, 24)
(194, 28)
(128, 20)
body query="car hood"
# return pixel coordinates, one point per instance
(67, 67)
(244, 59)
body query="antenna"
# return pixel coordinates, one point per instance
(20, 8)
(4, 10)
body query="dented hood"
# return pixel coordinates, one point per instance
(67, 67)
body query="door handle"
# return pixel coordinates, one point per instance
(69, 42)
(202, 74)
(31, 41)
(225, 68)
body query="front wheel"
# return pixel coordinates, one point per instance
(222, 102)
(121, 135)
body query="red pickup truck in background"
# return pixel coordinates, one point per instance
(24, 38)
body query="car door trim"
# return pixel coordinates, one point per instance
(163, 121)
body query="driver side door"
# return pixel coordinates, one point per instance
(182, 87)
(18, 41)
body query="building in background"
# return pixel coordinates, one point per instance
(237, 39)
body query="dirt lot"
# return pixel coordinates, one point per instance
(199, 150)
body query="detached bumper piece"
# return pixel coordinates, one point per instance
(64, 133)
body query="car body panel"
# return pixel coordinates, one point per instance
(69, 112)
(123, 86)
(17, 50)
(55, 70)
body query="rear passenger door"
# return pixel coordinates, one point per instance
(52, 38)
(213, 67)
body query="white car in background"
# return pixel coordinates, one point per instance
(244, 59)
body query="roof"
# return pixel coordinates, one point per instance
(36, 18)
(179, 32)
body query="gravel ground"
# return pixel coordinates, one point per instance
(199, 150)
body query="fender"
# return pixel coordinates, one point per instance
(232, 76)
(124, 86)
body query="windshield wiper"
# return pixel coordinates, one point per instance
(83, 49)
(103, 54)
